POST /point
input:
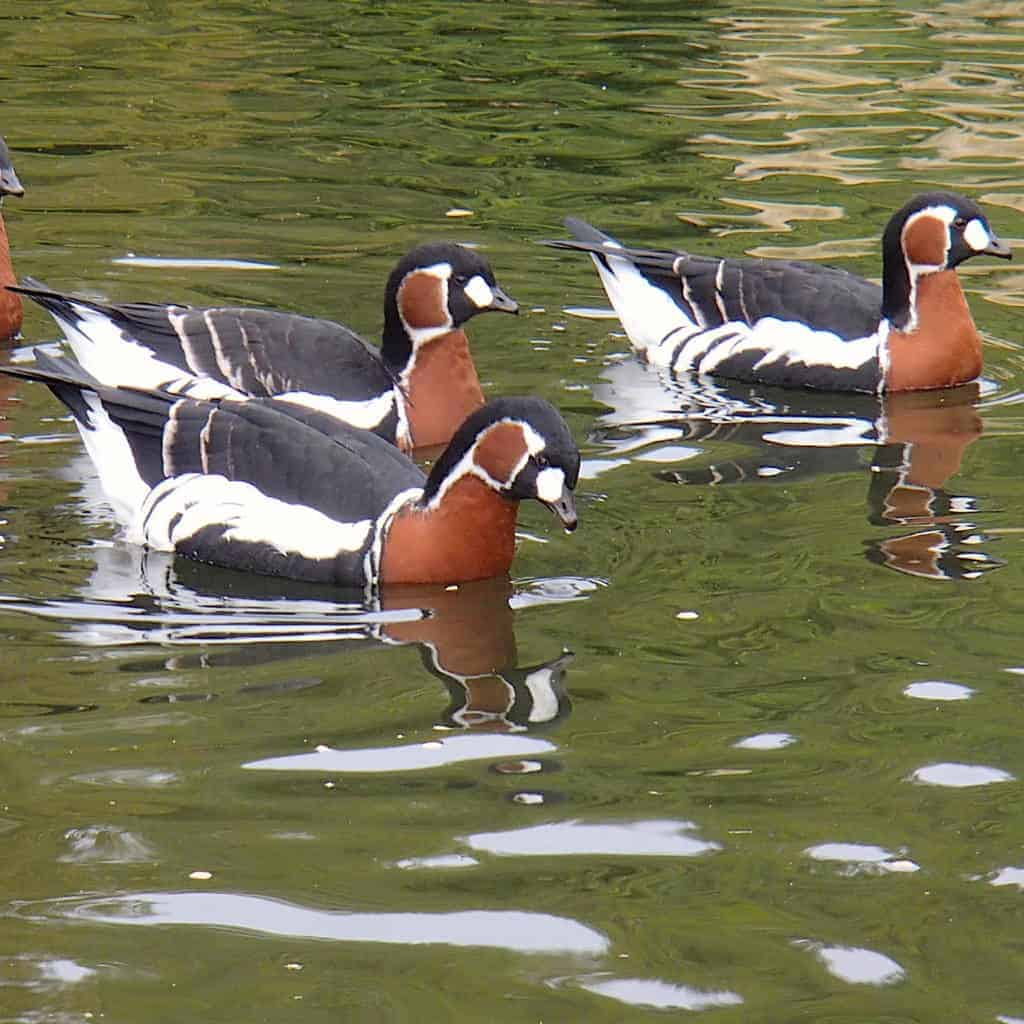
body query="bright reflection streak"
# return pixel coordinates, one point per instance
(661, 994)
(518, 931)
(639, 838)
(408, 757)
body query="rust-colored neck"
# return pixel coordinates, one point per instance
(10, 304)
(471, 535)
(945, 348)
(443, 389)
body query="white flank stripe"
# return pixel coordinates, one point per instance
(365, 415)
(206, 389)
(170, 436)
(719, 282)
(248, 515)
(223, 363)
(178, 323)
(204, 440)
(782, 340)
(235, 376)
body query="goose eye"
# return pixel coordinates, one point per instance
(542, 461)
(960, 223)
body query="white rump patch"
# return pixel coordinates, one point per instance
(647, 312)
(196, 501)
(365, 415)
(102, 348)
(550, 484)
(976, 236)
(478, 291)
(111, 454)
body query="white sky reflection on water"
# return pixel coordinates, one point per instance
(861, 858)
(518, 931)
(854, 965)
(407, 757)
(959, 776)
(660, 994)
(936, 690)
(640, 838)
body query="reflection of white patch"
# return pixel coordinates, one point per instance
(662, 995)
(550, 484)
(545, 699)
(854, 965)
(478, 291)
(976, 236)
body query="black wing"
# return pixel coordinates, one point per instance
(256, 351)
(713, 291)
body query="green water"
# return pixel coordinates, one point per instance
(231, 799)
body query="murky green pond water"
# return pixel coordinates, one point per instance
(780, 777)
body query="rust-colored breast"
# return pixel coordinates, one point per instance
(471, 535)
(945, 349)
(443, 389)
(10, 304)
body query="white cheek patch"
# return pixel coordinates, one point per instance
(550, 484)
(478, 291)
(977, 236)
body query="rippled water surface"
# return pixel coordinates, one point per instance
(746, 745)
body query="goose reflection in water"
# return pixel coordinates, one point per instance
(918, 438)
(465, 634)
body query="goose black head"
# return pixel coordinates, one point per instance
(519, 447)
(435, 289)
(935, 231)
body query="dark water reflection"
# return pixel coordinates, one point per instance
(777, 779)
(910, 446)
